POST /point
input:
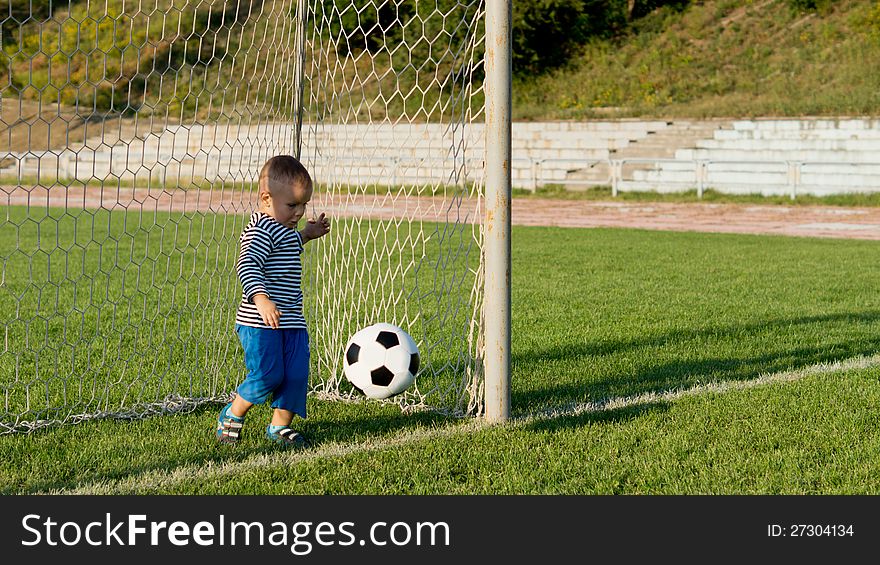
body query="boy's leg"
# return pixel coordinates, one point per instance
(262, 357)
(229, 425)
(281, 417)
(279, 429)
(239, 406)
(290, 398)
(264, 360)
(231, 419)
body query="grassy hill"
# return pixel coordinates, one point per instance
(169, 57)
(721, 58)
(235, 59)
(231, 58)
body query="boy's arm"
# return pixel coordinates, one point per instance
(255, 247)
(315, 228)
(269, 312)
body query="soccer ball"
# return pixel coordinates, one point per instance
(381, 360)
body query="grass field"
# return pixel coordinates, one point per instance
(90, 295)
(643, 362)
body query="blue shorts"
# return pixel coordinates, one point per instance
(277, 362)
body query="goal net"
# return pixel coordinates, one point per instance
(133, 133)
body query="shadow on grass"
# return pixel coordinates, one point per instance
(567, 351)
(149, 444)
(613, 416)
(109, 450)
(666, 376)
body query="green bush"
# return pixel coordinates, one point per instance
(810, 5)
(546, 33)
(102, 57)
(17, 12)
(642, 8)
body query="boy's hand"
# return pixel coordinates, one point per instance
(315, 228)
(268, 311)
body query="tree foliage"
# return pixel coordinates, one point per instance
(545, 33)
(810, 5)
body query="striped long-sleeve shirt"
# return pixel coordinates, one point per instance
(269, 262)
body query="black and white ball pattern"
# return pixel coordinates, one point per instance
(381, 360)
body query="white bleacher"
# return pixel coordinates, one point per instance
(370, 154)
(809, 156)
(803, 156)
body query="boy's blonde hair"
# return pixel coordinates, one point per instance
(284, 169)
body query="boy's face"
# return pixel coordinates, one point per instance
(286, 201)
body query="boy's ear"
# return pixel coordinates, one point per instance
(264, 197)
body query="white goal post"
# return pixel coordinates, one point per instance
(132, 135)
(498, 209)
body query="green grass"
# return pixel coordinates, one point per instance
(86, 293)
(714, 58)
(112, 56)
(597, 314)
(229, 59)
(719, 58)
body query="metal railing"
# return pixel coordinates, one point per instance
(791, 177)
(612, 172)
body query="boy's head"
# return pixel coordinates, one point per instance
(285, 188)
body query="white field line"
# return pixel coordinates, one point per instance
(575, 409)
(158, 480)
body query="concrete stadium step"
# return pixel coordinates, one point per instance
(791, 144)
(769, 124)
(669, 155)
(778, 155)
(850, 180)
(734, 166)
(765, 189)
(404, 155)
(613, 125)
(718, 178)
(798, 134)
(772, 167)
(664, 143)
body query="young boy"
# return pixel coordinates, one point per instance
(269, 321)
